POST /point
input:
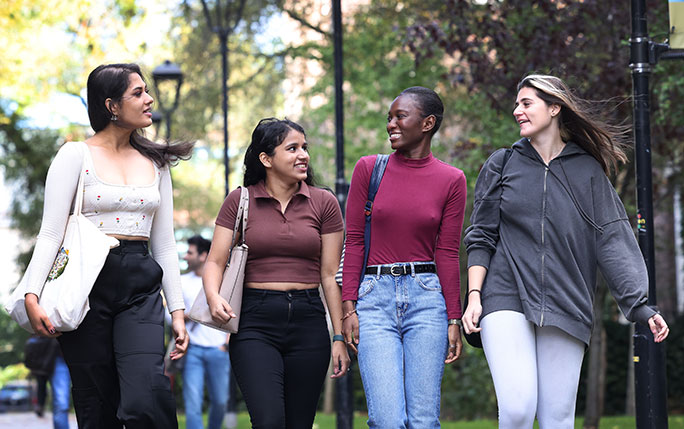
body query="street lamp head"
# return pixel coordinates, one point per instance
(167, 73)
(166, 76)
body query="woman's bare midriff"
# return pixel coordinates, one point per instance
(281, 286)
(128, 237)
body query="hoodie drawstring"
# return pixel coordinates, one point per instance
(568, 188)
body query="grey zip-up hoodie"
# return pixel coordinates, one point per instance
(541, 231)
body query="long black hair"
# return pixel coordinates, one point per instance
(429, 102)
(111, 81)
(268, 134)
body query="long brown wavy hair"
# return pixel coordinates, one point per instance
(580, 122)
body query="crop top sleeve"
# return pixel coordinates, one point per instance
(60, 189)
(163, 245)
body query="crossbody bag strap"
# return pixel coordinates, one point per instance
(373, 186)
(507, 156)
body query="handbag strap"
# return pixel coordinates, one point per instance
(373, 186)
(241, 218)
(507, 156)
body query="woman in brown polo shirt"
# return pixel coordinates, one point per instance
(281, 353)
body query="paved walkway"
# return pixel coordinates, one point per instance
(30, 420)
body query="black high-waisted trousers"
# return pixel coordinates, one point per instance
(116, 355)
(280, 356)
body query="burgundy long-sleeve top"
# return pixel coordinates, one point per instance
(417, 217)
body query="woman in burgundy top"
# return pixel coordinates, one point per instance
(402, 310)
(281, 352)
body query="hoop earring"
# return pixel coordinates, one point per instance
(114, 118)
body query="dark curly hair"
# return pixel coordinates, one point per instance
(268, 134)
(429, 102)
(111, 81)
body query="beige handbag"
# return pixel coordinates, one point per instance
(233, 276)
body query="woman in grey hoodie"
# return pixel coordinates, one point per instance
(545, 217)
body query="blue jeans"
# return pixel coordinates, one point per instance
(212, 364)
(402, 346)
(61, 389)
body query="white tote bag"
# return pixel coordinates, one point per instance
(233, 275)
(80, 259)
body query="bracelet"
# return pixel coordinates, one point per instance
(349, 313)
(338, 337)
(455, 322)
(474, 290)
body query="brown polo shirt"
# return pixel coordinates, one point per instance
(284, 247)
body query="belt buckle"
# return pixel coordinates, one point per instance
(402, 269)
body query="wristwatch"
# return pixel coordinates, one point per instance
(455, 322)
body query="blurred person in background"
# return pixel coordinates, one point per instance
(207, 358)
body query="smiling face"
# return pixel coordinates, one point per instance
(406, 126)
(533, 115)
(135, 108)
(290, 160)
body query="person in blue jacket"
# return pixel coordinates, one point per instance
(545, 217)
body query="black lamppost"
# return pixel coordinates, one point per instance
(344, 389)
(649, 357)
(156, 121)
(167, 74)
(221, 25)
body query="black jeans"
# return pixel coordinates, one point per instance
(280, 356)
(116, 355)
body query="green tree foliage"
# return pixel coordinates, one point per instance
(377, 67)
(25, 157)
(256, 70)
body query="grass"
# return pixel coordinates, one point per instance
(327, 421)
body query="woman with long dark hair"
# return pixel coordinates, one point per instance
(402, 310)
(115, 357)
(281, 352)
(545, 217)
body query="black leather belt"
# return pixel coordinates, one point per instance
(402, 269)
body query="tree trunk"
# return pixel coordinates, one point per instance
(596, 377)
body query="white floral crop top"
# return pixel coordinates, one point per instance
(119, 209)
(145, 211)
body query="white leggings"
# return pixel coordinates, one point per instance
(535, 371)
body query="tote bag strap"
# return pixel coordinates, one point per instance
(78, 203)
